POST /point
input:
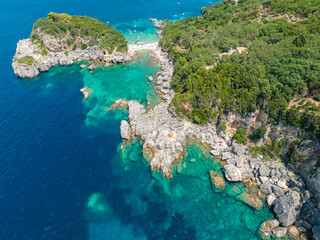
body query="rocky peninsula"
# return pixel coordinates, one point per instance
(293, 195)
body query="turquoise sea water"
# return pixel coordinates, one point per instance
(63, 174)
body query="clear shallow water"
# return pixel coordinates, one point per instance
(57, 150)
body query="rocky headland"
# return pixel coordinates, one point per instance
(41, 63)
(61, 39)
(293, 194)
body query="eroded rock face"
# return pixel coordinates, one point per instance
(26, 71)
(125, 130)
(56, 55)
(287, 208)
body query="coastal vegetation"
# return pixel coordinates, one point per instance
(70, 28)
(29, 60)
(246, 56)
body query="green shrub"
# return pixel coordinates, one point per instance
(74, 47)
(294, 155)
(56, 17)
(44, 52)
(66, 53)
(223, 126)
(29, 60)
(70, 42)
(83, 46)
(240, 136)
(92, 43)
(272, 150)
(259, 133)
(34, 37)
(317, 97)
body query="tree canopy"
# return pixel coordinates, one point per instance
(65, 26)
(279, 61)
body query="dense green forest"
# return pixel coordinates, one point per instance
(277, 70)
(63, 25)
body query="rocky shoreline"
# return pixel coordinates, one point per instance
(294, 200)
(42, 63)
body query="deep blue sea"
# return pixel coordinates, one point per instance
(62, 172)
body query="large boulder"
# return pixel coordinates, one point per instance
(266, 187)
(232, 173)
(270, 200)
(264, 170)
(287, 208)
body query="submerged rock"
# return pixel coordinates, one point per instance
(120, 103)
(97, 204)
(250, 199)
(217, 181)
(83, 66)
(267, 227)
(232, 173)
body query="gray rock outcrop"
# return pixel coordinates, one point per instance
(232, 173)
(287, 208)
(125, 129)
(56, 55)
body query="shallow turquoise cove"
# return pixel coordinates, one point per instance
(128, 82)
(189, 193)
